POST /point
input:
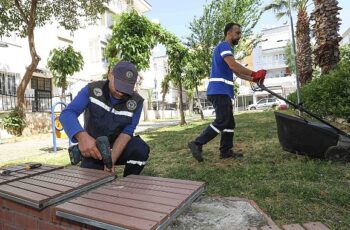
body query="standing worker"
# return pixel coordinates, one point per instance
(111, 108)
(220, 92)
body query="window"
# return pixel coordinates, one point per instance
(103, 58)
(40, 83)
(109, 19)
(8, 83)
(94, 51)
(281, 58)
(262, 101)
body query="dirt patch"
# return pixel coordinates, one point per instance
(219, 213)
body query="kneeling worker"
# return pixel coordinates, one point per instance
(112, 109)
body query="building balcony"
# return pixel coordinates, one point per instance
(274, 65)
(141, 6)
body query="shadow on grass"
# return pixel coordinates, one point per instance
(51, 150)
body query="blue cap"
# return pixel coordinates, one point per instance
(125, 77)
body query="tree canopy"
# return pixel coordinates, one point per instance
(64, 62)
(207, 31)
(133, 38)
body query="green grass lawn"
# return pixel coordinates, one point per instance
(289, 188)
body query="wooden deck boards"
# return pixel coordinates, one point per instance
(134, 202)
(23, 173)
(39, 191)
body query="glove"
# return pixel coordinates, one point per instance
(259, 76)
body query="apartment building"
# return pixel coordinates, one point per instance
(346, 37)
(90, 41)
(269, 54)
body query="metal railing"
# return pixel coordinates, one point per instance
(40, 102)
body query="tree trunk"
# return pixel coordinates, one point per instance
(190, 105)
(304, 58)
(63, 96)
(199, 104)
(145, 110)
(182, 115)
(326, 29)
(30, 69)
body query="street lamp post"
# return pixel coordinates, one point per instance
(294, 51)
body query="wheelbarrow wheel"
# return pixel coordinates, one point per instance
(337, 153)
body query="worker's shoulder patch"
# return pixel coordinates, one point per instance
(97, 92)
(131, 105)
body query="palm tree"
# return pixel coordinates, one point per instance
(326, 29)
(304, 52)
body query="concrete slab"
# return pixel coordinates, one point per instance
(221, 214)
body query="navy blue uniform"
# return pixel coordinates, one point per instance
(105, 115)
(220, 92)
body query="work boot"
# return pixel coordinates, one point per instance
(231, 154)
(196, 151)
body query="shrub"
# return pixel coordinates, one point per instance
(329, 94)
(14, 122)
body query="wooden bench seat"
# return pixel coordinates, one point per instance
(134, 202)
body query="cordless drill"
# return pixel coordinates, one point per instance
(102, 144)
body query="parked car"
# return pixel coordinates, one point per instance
(266, 103)
(209, 111)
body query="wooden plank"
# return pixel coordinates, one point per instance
(154, 187)
(76, 174)
(149, 198)
(107, 217)
(26, 173)
(84, 171)
(41, 169)
(175, 196)
(168, 184)
(293, 227)
(69, 178)
(315, 226)
(120, 209)
(58, 181)
(34, 188)
(161, 208)
(87, 170)
(9, 178)
(163, 179)
(17, 174)
(57, 187)
(21, 193)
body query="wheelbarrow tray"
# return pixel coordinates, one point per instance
(297, 135)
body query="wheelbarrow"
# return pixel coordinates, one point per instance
(315, 139)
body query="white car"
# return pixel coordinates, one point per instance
(266, 103)
(209, 111)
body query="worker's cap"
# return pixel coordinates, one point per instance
(125, 77)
